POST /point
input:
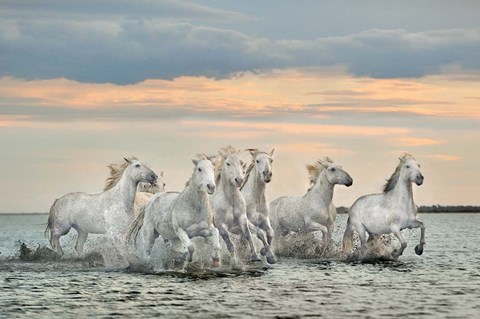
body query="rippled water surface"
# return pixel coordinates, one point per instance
(443, 282)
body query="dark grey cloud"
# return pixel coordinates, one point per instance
(127, 49)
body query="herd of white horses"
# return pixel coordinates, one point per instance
(226, 196)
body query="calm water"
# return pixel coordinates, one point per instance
(443, 283)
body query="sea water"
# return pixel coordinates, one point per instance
(442, 283)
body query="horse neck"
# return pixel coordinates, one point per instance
(403, 190)
(228, 189)
(197, 198)
(322, 190)
(124, 190)
(256, 185)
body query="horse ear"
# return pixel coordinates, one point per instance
(271, 152)
(195, 161)
(161, 174)
(253, 151)
(127, 160)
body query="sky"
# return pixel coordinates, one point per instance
(85, 83)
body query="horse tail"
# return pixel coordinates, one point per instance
(348, 237)
(136, 225)
(51, 220)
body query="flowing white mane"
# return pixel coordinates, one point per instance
(116, 171)
(315, 170)
(392, 181)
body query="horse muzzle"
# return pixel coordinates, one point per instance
(238, 181)
(419, 180)
(210, 189)
(349, 182)
(153, 179)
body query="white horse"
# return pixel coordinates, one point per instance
(313, 211)
(258, 174)
(389, 212)
(229, 207)
(86, 212)
(180, 216)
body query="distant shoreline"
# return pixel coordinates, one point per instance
(434, 209)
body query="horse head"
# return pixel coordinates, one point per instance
(232, 167)
(140, 172)
(263, 163)
(336, 175)
(204, 174)
(411, 169)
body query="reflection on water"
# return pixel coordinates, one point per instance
(444, 282)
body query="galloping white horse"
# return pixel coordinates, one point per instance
(181, 216)
(314, 211)
(229, 207)
(259, 173)
(86, 212)
(389, 212)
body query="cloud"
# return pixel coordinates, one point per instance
(123, 46)
(415, 141)
(445, 157)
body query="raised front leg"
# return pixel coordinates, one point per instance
(185, 239)
(205, 230)
(419, 247)
(312, 226)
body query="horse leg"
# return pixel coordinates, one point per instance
(245, 227)
(312, 226)
(419, 247)
(266, 249)
(55, 242)
(398, 252)
(82, 237)
(231, 248)
(148, 234)
(185, 239)
(204, 230)
(362, 232)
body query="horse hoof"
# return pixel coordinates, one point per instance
(419, 249)
(271, 260)
(216, 262)
(263, 251)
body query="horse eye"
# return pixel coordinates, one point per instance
(137, 165)
(408, 166)
(228, 164)
(258, 161)
(164, 184)
(332, 169)
(199, 169)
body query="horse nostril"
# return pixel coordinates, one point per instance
(211, 187)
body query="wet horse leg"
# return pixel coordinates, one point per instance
(419, 247)
(81, 239)
(185, 239)
(246, 227)
(231, 248)
(266, 250)
(398, 252)
(204, 230)
(312, 226)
